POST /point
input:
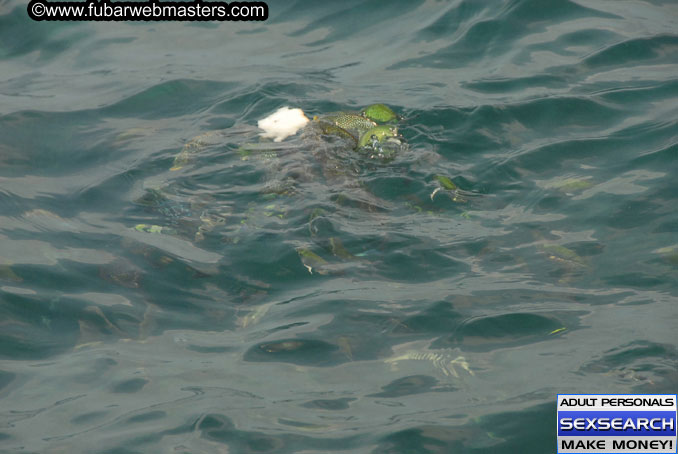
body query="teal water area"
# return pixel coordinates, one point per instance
(300, 297)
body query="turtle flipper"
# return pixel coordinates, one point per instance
(193, 147)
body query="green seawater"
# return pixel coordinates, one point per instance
(300, 297)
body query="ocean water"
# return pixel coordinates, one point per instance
(299, 297)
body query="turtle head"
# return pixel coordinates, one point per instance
(376, 135)
(381, 142)
(379, 113)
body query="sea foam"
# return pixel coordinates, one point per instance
(282, 123)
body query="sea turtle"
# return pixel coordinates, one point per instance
(294, 153)
(326, 137)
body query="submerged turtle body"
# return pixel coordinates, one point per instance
(331, 129)
(323, 150)
(191, 218)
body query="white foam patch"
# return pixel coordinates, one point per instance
(282, 123)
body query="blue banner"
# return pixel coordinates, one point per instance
(617, 423)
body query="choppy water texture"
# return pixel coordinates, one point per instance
(271, 305)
